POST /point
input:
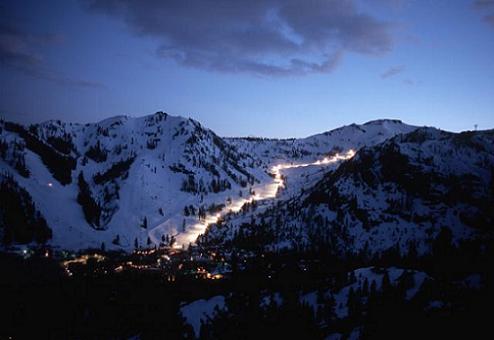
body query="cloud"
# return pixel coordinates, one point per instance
(481, 4)
(66, 81)
(393, 71)
(390, 4)
(18, 52)
(489, 19)
(261, 37)
(487, 8)
(15, 51)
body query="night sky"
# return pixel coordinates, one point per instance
(275, 68)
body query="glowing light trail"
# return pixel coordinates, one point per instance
(261, 193)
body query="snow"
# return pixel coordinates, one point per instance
(268, 299)
(355, 334)
(310, 299)
(151, 185)
(397, 217)
(372, 275)
(201, 310)
(264, 191)
(419, 278)
(435, 304)
(473, 281)
(318, 146)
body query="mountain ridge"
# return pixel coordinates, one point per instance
(114, 167)
(392, 196)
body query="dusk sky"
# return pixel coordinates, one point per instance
(274, 68)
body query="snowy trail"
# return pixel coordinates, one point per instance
(262, 192)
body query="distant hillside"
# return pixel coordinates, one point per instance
(401, 196)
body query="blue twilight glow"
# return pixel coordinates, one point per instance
(271, 68)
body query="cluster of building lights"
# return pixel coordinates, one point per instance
(83, 259)
(205, 274)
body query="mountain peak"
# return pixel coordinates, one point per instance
(383, 121)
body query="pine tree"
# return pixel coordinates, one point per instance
(90, 207)
(144, 223)
(365, 287)
(373, 289)
(386, 285)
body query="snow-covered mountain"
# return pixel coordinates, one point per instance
(272, 151)
(399, 196)
(114, 180)
(137, 181)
